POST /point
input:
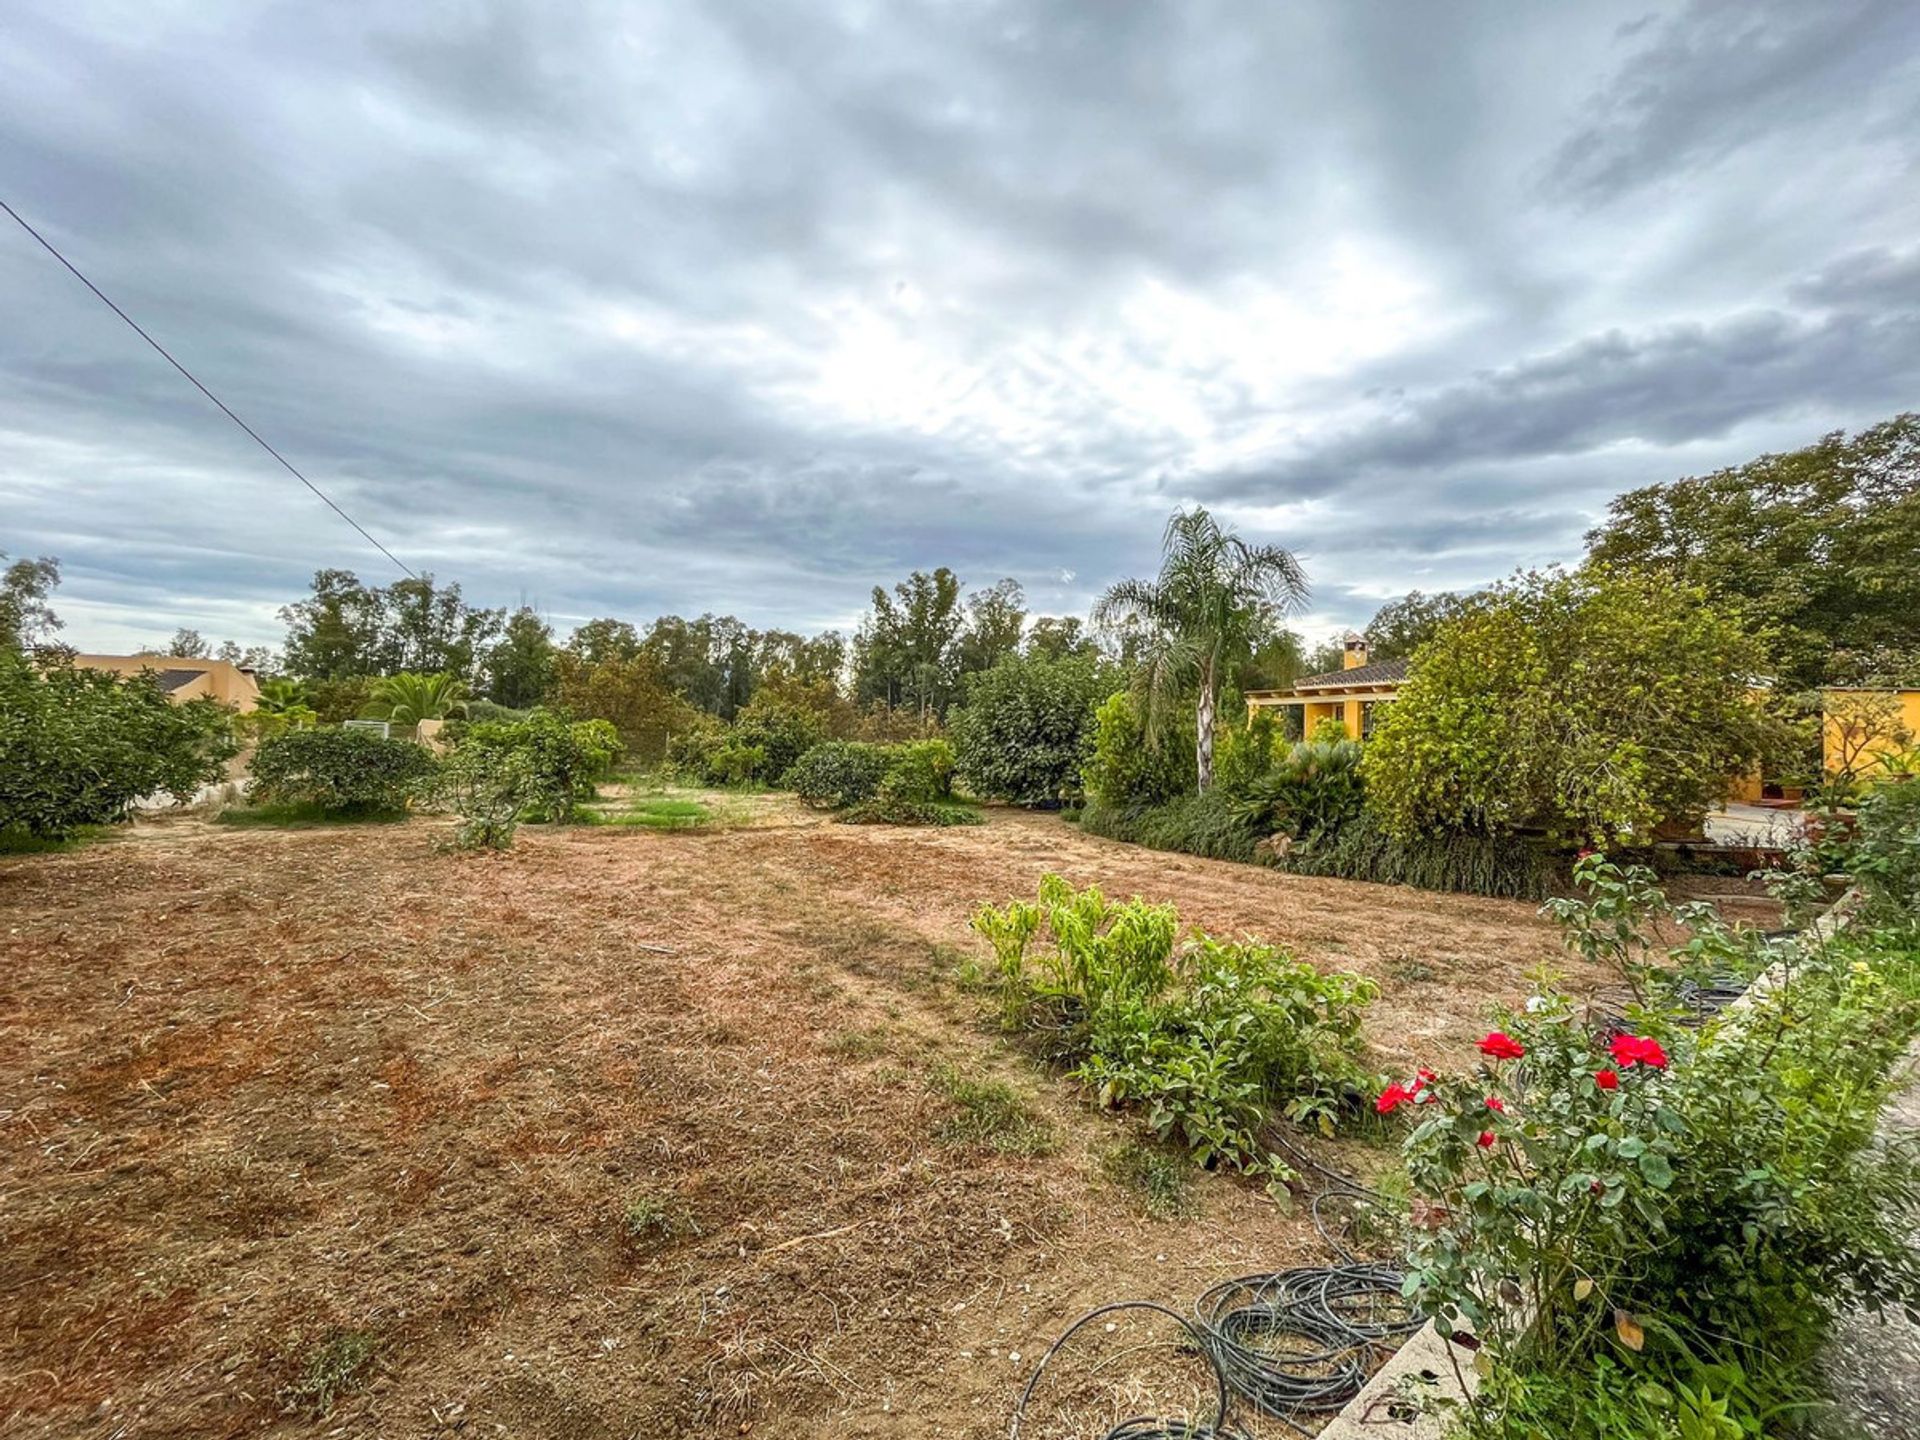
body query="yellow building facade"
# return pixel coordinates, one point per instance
(1349, 696)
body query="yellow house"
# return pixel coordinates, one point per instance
(1350, 695)
(1860, 726)
(186, 679)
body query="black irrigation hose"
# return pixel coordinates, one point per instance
(1140, 1427)
(1335, 1315)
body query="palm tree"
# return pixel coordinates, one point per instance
(1215, 594)
(407, 699)
(281, 693)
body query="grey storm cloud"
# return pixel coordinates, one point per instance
(628, 308)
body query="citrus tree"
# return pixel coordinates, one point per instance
(1594, 704)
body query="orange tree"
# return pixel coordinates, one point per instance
(1591, 704)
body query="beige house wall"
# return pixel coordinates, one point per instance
(219, 679)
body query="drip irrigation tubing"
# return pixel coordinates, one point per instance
(1140, 1427)
(1289, 1343)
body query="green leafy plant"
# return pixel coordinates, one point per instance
(338, 771)
(79, 747)
(562, 758)
(1690, 1200)
(1311, 792)
(837, 773)
(487, 788)
(1026, 728)
(1206, 1039)
(1131, 771)
(407, 699)
(920, 770)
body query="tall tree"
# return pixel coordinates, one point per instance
(1060, 637)
(598, 641)
(346, 629)
(186, 644)
(996, 616)
(904, 653)
(1815, 551)
(335, 633)
(519, 667)
(251, 657)
(26, 619)
(1402, 626)
(430, 629)
(1215, 598)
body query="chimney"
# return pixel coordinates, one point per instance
(1356, 652)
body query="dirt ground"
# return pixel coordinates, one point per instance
(275, 1098)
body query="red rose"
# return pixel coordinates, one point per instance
(1607, 1079)
(1637, 1050)
(1494, 1102)
(1501, 1046)
(1392, 1098)
(1485, 1142)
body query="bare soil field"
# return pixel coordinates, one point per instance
(284, 1108)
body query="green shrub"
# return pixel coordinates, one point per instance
(1883, 851)
(1025, 728)
(1128, 772)
(768, 735)
(1508, 866)
(1212, 825)
(79, 747)
(488, 788)
(338, 771)
(1206, 1038)
(837, 773)
(1691, 1205)
(920, 770)
(893, 810)
(562, 758)
(1244, 754)
(1311, 791)
(780, 731)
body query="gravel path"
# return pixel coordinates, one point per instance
(1873, 1362)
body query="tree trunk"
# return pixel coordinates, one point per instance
(1203, 728)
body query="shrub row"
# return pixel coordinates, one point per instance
(498, 773)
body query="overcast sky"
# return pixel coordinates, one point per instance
(634, 308)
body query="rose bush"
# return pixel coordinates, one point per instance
(1650, 1227)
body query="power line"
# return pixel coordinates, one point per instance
(195, 380)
